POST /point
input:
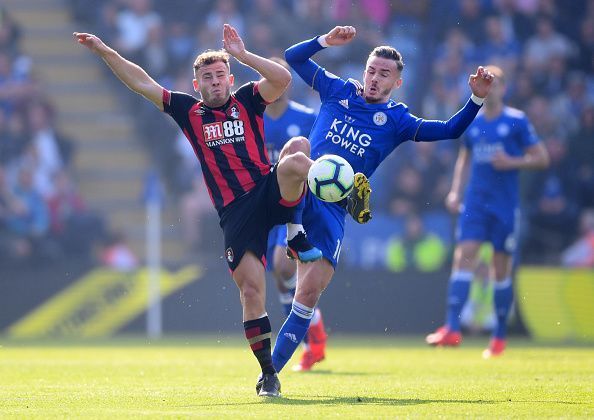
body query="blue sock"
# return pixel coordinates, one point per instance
(457, 295)
(296, 224)
(291, 334)
(298, 212)
(503, 297)
(286, 300)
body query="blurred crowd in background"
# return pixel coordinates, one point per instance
(42, 215)
(545, 47)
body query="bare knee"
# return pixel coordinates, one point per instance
(465, 256)
(308, 295)
(250, 293)
(502, 265)
(296, 165)
(309, 291)
(297, 144)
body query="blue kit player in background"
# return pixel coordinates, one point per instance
(363, 125)
(499, 142)
(284, 119)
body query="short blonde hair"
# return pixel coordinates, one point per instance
(497, 72)
(211, 56)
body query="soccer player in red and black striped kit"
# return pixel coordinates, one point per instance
(226, 132)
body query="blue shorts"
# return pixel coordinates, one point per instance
(276, 237)
(477, 224)
(324, 225)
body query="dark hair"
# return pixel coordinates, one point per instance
(211, 56)
(390, 53)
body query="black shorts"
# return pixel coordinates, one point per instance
(247, 220)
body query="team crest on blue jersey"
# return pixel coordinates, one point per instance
(503, 129)
(380, 118)
(293, 130)
(233, 111)
(348, 119)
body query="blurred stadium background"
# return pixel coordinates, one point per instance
(82, 158)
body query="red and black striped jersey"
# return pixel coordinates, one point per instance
(228, 141)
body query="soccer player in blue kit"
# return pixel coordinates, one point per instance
(498, 143)
(363, 125)
(284, 119)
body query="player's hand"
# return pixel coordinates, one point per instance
(340, 35)
(502, 161)
(452, 202)
(232, 42)
(480, 83)
(91, 41)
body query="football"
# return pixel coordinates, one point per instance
(330, 178)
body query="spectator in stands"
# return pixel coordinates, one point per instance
(155, 55)
(117, 254)
(28, 219)
(9, 33)
(544, 45)
(553, 207)
(180, 45)
(581, 151)
(470, 12)
(51, 151)
(225, 11)
(106, 20)
(15, 86)
(134, 24)
(500, 47)
(72, 224)
(417, 249)
(585, 59)
(581, 252)
(571, 102)
(11, 146)
(13, 247)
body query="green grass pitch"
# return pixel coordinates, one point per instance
(361, 378)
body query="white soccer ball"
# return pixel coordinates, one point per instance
(330, 178)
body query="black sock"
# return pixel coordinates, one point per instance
(258, 332)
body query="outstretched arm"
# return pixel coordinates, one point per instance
(431, 130)
(298, 56)
(275, 78)
(129, 73)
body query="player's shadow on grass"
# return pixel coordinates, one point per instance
(328, 400)
(333, 373)
(323, 400)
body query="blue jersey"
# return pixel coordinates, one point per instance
(496, 191)
(362, 133)
(297, 120)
